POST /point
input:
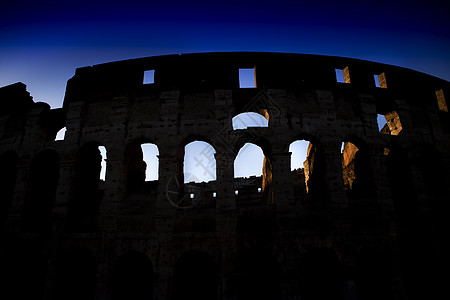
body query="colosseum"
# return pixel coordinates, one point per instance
(364, 218)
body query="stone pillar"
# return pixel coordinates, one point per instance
(168, 186)
(105, 265)
(115, 189)
(380, 177)
(369, 114)
(226, 222)
(418, 181)
(63, 190)
(18, 203)
(169, 182)
(32, 135)
(74, 124)
(405, 117)
(282, 179)
(333, 175)
(225, 181)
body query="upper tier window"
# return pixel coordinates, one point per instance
(247, 78)
(149, 77)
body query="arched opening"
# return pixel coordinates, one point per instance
(249, 161)
(151, 152)
(195, 277)
(8, 174)
(87, 193)
(251, 119)
(355, 169)
(321, 275)
(199, 162)
(133, 277)
(196, 182)
(253, 175)
(41, 191)
(307, 168)
(75, 276)
(258, 277)
(142, 167)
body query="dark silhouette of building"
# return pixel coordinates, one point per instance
(369, 221)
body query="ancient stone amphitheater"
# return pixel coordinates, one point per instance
(362, 221)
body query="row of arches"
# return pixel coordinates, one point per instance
(87, 176)
(195, 168)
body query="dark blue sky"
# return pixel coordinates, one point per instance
(42, 42)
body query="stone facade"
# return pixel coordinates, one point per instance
(367, 223)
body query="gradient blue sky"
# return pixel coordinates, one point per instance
(43, 42)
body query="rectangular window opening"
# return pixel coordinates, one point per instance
(377, 82)
(247, 78)
(236, 192)
(191, 196)
(442, 104)
(342, 75)
(149, 77)
(389, 123)
(214, 195)
(380, 80)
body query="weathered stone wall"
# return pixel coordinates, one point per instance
(66, 234)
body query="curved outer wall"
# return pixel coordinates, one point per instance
(388, 240)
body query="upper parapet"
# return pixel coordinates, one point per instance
(272, 70)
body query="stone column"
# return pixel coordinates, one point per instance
(333, 175)
(282, 179)
(169, 182)
(74, 125)
(225, 181)
(380, 177)
(63, 190)
(418, 181)
(226, 217)
(168, 186)
(17, 205)
(226, 222)
(114, 189)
